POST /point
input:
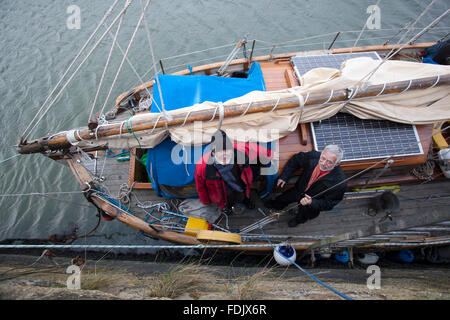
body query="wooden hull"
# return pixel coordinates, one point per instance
(355, 229)
(346, 226)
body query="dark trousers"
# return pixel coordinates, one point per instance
(234, 197)
(303, 214)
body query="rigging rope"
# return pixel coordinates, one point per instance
(38, 193)
(77, 69)
(392, 53)
(135, 72)
(362, 30)
(306, 272)
(195, 246)
(322, 43)
(415, 22)
(61, 239)
(167, 116)
(107, 62)
(271, 44)
(126, 54)
(100, 246)
(73, 61)
(279, 45)
(4, 160)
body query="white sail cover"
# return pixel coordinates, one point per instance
(413, 107)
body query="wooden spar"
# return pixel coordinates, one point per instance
(216, 65)
(139, 224)
(171, 236)
(149, 121)
(83, 177)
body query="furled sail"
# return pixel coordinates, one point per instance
(400, 91)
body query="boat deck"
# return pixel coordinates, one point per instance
(420, 205)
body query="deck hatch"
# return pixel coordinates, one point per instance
(366, 139)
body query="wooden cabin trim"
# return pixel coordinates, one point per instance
(132, 177)
(131, 172)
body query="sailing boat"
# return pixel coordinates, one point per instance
(291, 102)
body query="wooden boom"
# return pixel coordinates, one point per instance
(59, 141)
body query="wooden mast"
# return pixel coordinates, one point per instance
(147, 122)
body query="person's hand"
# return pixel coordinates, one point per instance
(306, 200)
(281, 183)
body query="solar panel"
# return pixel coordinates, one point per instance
(303, 64)
(366, 139)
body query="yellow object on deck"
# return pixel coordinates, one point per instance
(194, 225)
(438, 138)
(219, 236)
(394, 188)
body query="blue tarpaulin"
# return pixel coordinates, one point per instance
(185, 91)
(162, 169)
(172, 164)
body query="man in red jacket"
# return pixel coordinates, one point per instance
(224, 175)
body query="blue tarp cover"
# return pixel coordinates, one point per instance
(184, 91)
(162, 169)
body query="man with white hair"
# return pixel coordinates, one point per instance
(321, 176)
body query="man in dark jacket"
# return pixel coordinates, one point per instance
(321, 171)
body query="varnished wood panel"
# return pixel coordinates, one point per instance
(278, 76)
(134, 176)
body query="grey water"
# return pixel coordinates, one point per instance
(39, 39)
